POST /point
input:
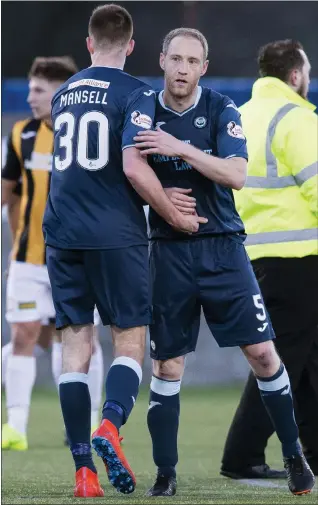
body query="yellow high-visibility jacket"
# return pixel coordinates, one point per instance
(279, 202)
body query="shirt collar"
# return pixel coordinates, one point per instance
(164, 106)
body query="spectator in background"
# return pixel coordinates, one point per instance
(278, 206)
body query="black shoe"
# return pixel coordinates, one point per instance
(164, 486)
(300, 478)
(255, 472)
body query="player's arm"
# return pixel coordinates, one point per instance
(14, 210)
(139, 114)
(146, 183)
(300, 152)
(229, 169)
(10, 174)
(228, 172)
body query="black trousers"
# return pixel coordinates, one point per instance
(290, 291)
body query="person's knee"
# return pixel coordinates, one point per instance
(169, 370)
(263, 358)
(24, 337)
(130, 342)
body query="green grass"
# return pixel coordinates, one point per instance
(45, 474)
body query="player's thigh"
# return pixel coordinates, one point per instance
(24, 293)
(176, 309)
(231, 299)
(119, 279)
(71, 290)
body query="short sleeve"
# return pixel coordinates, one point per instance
(231, 141)
(139, 114)
(12, 166)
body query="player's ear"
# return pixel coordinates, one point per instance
(89, 45)
(162, 61)
(205, 67)
(130, 47)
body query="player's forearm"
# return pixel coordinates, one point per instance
(148, 186)
(7, 187)
(228, 172)
(13, 217)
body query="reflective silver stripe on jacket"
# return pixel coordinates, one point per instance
(306, 173)
(272, 180)
(275, 237)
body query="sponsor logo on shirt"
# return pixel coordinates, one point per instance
(142, 120)
(28, 135)
(232, 105)
(160, 123)
(200, 122)
(150, 92)
(235, 130)
(89, 82)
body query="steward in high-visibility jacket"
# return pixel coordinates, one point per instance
(279, 202)
(278, 206)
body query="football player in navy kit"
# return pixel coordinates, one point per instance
(97, 248)
(200, 146)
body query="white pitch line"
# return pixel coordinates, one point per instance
(266, 483)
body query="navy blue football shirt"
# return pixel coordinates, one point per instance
(213, 125)
(91, 204)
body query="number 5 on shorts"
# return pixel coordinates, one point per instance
(261, 316)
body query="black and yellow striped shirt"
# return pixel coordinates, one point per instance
(29, 160)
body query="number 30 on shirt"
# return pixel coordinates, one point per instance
(81, 141)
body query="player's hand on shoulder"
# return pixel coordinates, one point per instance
(158, 142)
(181, 199)
(189, 223)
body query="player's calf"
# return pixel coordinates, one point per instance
(74, 394)
(125, 374)
(122, 387)
(163, 422)
(274, 386)
(20, 376)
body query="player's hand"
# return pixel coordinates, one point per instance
(158, 142)
(189, 223)
(180, 199)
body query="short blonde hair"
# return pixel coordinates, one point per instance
(186, 32)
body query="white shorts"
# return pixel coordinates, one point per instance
(29, 294)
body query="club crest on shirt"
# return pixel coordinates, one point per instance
(142, 120)
(235, 130)
(200, 122)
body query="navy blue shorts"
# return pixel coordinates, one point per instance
(212, 273)
(115, 280)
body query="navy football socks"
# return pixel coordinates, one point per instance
(122, 386)
(163, 424)
(76, 407)
(277, 397)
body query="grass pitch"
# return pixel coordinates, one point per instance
(45, 473)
